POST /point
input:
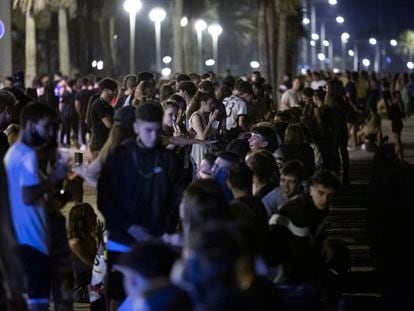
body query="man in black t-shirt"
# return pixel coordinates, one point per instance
(101, 115)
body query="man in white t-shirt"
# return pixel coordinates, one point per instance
(292, 97)
(28, 187)
(317, 82)
(237, 107)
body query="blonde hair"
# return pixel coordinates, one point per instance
(116, 136)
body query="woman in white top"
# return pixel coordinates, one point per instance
(203, 123)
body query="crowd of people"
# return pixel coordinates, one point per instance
(214, 192)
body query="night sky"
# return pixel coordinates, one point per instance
(382, 19)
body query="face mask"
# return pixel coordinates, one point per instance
(38, 140)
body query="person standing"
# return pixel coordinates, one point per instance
(28, 187)
(292, 97)
(139, 191)
(102, 115)
(81, 104)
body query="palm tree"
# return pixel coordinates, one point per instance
(406, 44)
(266, 39)
(29, 8)
(287, 9)
(240, 28)
(177, 7)
(62, 6)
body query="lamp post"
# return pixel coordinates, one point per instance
(313, 24)
(339, 20)
(132, 7)
(344, 40)
(200, 26)
(374, 43)
(215, 31)
(157, 15)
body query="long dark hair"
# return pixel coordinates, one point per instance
(79, 225)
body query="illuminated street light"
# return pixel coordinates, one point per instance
(166, 72)
(132, 7)
(312, 43)
(254, 64)
(167, 59)
(340, 19)
(345, 37)
(372, 41)
(215, 31)
(325, 43)
(306, 21)
(336, 70)
(200, 25)
(351, 53)
(210, 62)
(333, 2)
(157, 15)
(321, 57)
(393, 42)
(315, 36)
(366, 62)
(99, 65)
(184, 21)
(410, 65)
(94, 63)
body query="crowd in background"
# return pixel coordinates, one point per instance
(214, 191)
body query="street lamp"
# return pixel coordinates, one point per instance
(167, 59)
(99, 65)
(132, 7)
(393, 42)
(333, 2)
(374, 42)
(157, 15)
(321, 57)
(215, 30)
(306, 21)
(325, 43)
(315, 36)
(344, 40)
(351, 53)
(200, 26)
(166, 72)
(210, 62)
(312, 43)
(340, 20)
(254, 64)
(410, 65)
(366, 62)
(184, 21)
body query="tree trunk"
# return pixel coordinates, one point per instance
(271, 35)
(177, 9)
(64, 51)
(112, 44)
(108, 65)
(190, 54)
(263, 39)
(30, 49)
(282, 42)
